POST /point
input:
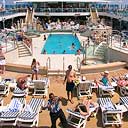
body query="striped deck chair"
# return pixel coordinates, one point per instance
(123, 104)
(1, 101)
(11, 111)
(30, 115)
(110, 113)
(19, 92)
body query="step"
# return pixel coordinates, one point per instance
(24, 55)
(23, 50)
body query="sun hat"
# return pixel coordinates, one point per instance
(106, 72)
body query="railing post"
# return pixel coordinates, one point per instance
(63, 65)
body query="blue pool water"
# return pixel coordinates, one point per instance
(58, 43)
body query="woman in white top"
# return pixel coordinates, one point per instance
(35, 68)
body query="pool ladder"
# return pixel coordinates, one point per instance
(48, 63)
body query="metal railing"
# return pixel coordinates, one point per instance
(78, 63)
(48, 63)
(7, 41)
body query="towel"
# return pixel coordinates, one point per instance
(28, 108)
(15, 105)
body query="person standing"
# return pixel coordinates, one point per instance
(2, 61)
(70, 78)
(55, 111)
(35, 68)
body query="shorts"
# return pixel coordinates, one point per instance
(70, 86)
(2, 62)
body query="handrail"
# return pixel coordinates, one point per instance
(63, 65)
(78, 63)
(48, 62)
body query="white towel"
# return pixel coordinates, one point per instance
(28, 108)
(15, 105)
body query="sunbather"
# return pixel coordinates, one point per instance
(88, 106)
(21, 82)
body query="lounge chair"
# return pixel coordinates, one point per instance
(84, 89)
(77, 120)
(4, 89)
(106, 90)
(1, 101)
(19, 92)
(30, 115)
(10, 112)
(40, 87)
(111, 115)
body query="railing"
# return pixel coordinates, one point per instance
(48, 63)
(118, 40)
(78, 63)
(120, 12)
(63, 65)
(7, 41)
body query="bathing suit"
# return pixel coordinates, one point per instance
(70, 86)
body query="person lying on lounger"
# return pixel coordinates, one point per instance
(87, 107)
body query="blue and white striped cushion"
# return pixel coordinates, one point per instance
(26, 115)
(9, 114)
(18, 91)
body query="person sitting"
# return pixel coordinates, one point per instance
(21, 82)
(122, 82)
(105, 80)
(44, 37)
(125, 45)
(44, 52)
(87, 107)
(78, 52)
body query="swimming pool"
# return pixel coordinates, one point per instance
(61, 44)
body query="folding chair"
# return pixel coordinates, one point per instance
(10, 112)
(110, 113)
(30, 115)
(40, 88)
(84, 89)
(4, 89)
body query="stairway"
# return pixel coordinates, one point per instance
(101, 49)
(94, 15)
(23, 51)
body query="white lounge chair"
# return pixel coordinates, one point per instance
(10, 112)
(111, 115)
(106, 90)
(30, 115)
(84, 89)
(4, 89)
(76, 120)
(40, 87)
